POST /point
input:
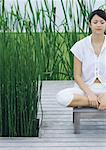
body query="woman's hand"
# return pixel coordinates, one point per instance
(93, 99)
(102, 97)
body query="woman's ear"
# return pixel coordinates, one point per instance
(105, 30)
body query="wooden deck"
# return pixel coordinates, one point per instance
(56, 132)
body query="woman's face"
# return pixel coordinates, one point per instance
(97, 25)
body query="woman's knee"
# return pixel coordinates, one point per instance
(65, 96)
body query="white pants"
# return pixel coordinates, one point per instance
(65, 96)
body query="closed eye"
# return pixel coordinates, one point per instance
(102, 22)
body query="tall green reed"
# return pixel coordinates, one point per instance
(20, 85)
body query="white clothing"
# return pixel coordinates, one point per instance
(93, 66)
(65, 96)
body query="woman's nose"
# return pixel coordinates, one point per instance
(99, 24)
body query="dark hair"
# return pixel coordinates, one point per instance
(98, 12)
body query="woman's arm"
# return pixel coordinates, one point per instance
(78, 76)
(93, 99)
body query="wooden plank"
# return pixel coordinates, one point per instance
(57, 139)
(77, 116)
(88, 110)
(56, 144)
(54, 148)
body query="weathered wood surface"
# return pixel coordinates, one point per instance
(84, 112)
(57, 131)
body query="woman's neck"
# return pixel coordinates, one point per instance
(98, 38)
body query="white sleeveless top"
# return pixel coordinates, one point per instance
(93, 66)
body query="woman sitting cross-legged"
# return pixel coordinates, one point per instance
(89, 68)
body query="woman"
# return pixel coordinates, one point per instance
(89, 68)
